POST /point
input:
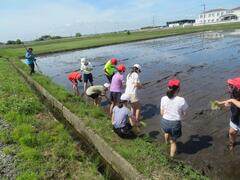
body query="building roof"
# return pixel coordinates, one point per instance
(182, 21)
(215, 10)
(237, 8)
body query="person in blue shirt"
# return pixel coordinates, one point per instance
(30, 59)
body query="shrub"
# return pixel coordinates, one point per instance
(78, 34)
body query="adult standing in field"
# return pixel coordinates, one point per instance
(234, 104)
(86, 69)
(30, 59)
(74, 77)
(96, 92)
(116, 86)
(172, 108)
(109, 68)
(132, 85)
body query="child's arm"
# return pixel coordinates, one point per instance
(233, 101)
(225, 103)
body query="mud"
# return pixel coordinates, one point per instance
(203, 62)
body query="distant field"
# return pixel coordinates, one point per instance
(68, 44)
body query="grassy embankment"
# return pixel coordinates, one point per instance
(42, 147)
(147, 156)
(107, 39)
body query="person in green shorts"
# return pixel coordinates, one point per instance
(109, 68)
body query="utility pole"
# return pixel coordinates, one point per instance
(204, 9)
(153, 21)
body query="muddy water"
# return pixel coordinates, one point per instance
(203, 62)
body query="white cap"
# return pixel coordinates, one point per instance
(125, 97)
(83, 60)
(137, 66)
(106, 85)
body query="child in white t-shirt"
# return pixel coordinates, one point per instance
(132, 85)
(172, 109)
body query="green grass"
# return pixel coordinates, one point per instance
(43, 148)
(147, 156)
(108, 39)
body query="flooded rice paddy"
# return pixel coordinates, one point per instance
(203, 62)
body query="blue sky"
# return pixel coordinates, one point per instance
(29, 20)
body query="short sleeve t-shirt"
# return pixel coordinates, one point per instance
(86, 69)
(117, 83)
(235, 115)
(109, 68)
(98, 89)
(132, 80)
(73, 76)
(173, 108)
(121, 116)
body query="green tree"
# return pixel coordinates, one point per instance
(78, 34)
(18, 41)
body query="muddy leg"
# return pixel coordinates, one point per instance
(173, 148)
(232, 138)
(137, 110)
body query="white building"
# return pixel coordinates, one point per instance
(219, 15)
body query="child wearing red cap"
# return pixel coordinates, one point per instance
(74, 77)
(109, 68)
(117, 86)
(234, 104)
(172, 108)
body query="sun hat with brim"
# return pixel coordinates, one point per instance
(106, 85)
(137, 66)
(125, 97)
(174, 82)
(235, 82)
(83, 60)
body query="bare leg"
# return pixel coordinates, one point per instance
(232, 138)
(166, 137)
(173, 148)
(85, 87)
(136, 110)
(111, 107)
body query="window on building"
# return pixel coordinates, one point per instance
(212, 14)
(209, 15)
(212, 20)
(221, 13)
(218, 14)
(201, 16)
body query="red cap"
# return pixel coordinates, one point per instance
(114, 61)
(235, 82)
(173, 82)
(121, 68)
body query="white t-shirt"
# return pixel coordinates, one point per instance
(86, 69)
(174, 108)
(131, 83)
